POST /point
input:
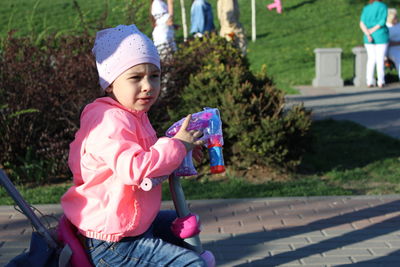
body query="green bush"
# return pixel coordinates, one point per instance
(54, 80)
(257, 129)
(44, 87)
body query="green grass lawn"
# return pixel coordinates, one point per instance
(354, 158)
(347, 159)
(285, 42)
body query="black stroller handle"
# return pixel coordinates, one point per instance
(27, 210)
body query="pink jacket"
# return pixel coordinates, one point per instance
(113, 151)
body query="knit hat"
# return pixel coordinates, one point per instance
(120, 48)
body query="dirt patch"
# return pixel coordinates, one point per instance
(262, 174)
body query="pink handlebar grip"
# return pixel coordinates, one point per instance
(185, 227)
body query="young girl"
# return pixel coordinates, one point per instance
(114, 150)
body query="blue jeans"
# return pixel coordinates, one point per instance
(158, 246)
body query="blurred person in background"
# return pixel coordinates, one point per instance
(376, 39)
(231, 28)
(394, 38)
(201, 18)
(162, 15)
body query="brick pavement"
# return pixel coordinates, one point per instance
(297, 231)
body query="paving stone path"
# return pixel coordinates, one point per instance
(298, 231)
(374, 108)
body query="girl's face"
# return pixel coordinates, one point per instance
(137, 88)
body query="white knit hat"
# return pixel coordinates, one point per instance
(120, 48)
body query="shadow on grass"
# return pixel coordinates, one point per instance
(387, 2)
(240, 188)
(299, 5)
(345, 145)
(263, 35)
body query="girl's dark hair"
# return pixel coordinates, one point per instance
(371, 1)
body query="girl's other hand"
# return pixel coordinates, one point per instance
(188, 138)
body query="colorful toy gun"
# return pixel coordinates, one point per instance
(209, 122)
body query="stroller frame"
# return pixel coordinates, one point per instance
(27, 210)
(65, 252)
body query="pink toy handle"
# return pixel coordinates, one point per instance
(183, 211)
(149, 183)
(185, 227)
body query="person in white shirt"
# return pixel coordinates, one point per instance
(163, 32)
(394, 38)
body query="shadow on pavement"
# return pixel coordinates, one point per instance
(391, 259)
(343, 93)
(252, 240)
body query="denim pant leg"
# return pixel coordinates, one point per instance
(144, 250)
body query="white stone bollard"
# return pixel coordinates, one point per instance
(360, 65)
(328, 67)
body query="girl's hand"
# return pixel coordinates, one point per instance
(188, 138)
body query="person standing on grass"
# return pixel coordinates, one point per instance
(231, 28)
(394, 38)
(376, 39)
(201, 18)
(162, 15)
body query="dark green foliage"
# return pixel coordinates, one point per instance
(43, 89)
(192, 58)
(257, 130)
